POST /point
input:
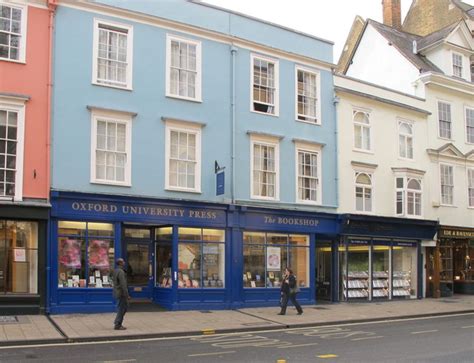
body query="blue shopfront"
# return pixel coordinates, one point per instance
(180, 255)
(381, 258)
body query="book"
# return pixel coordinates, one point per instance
(253, 284)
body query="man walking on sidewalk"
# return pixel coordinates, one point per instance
(120, 293)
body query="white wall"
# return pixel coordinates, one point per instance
(378, 62)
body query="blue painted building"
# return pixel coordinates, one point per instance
(152, 101)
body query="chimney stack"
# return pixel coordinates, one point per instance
(392, 13)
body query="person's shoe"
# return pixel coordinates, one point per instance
(281, 314)
(300, 312)
(120, 327)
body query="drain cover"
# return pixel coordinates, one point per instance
(8, 319)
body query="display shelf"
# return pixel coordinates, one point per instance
(356, 285)
(401, 283)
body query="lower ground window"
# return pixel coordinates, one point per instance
(18, 257)
(85, 254)
(266, 255)
(201, 258)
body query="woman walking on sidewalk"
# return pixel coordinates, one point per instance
(289, 289)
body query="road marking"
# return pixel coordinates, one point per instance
(467, 327)
(281, 361)
(208, 331)
(119, 361)
(424, 331)
(324, 356)
(376, 337)
(215, 353)
(297, 345)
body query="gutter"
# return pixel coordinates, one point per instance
(233, 51)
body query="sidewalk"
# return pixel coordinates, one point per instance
(95, 327)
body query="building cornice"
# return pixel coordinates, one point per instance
(441, 80)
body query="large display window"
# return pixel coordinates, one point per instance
(85, 254)
(18, 257)
(164, 257)
(463, 256)
(201, 258)
(266, 255)
(378, 270)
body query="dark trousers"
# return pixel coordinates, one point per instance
(122, 306)
(284, 302)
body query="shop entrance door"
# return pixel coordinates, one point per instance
(139, 261)
(323, 270)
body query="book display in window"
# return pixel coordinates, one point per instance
(401, 284)
(356, 285)
(380, 284)
(99, 263)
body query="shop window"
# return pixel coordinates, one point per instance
(264, 85)
(381, 272)
(463, 257)
(85, 254)
(201, 258)
(266, 255)
(183, 57)
(18, 257)
(404, 272)
(164, 257)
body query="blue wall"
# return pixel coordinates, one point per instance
(73, 92)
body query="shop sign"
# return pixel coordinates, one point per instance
(359, 241)
(129, 211)
(220, 183)
(273, 258)
(456, 233)
(404, 244)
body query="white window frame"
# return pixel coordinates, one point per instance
(450, 121)
(119, 118)
(316, 120)
(362, 126)
(313, 149)
(190, 128)
(95, 53)
(24, 32)
(198, 84)
(370, 174)
(405, 190)
(271, 142)
(18, 106)
(457, 68)
(441, 165)
(469, 127)
(276, 81)
(470, 187)
(406, 137)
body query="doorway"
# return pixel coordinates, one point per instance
(137, 243)
(323, 270)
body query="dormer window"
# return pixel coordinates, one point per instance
(457, 65)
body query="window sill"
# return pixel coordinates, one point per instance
(21, 61)
(127, 88)
(316, 123)
(265, 113)
(445, 138)
(406, 159)
(264, 199)
(182, 190)
(308, 202)
(363, 151)
(177, 97)
(448, 205)
(111, 183)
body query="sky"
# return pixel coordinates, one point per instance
(327, 19)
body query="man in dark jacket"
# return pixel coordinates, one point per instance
(119, 279)
(288, 291)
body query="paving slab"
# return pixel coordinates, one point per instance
(29, 329)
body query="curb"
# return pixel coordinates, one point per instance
(275, 326)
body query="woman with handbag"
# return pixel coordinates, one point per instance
(289, 289)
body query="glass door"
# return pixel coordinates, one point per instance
(323, 270)
(139, 262)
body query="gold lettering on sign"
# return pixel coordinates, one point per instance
(456, 233)
(94, 207)
(292, 221)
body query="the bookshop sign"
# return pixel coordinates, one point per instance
(289, 222)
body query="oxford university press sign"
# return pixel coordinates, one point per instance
(127, 211)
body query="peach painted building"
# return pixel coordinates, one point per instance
(25, 88)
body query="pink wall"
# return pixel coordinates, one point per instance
(32, 79)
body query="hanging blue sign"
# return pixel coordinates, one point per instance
(220, 183)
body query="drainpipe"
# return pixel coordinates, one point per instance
(336, 149)
(233, 51)
(51, 10)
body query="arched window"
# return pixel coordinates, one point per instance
(409, 196)
(361, 130)
(363, 192)
(405, 140)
